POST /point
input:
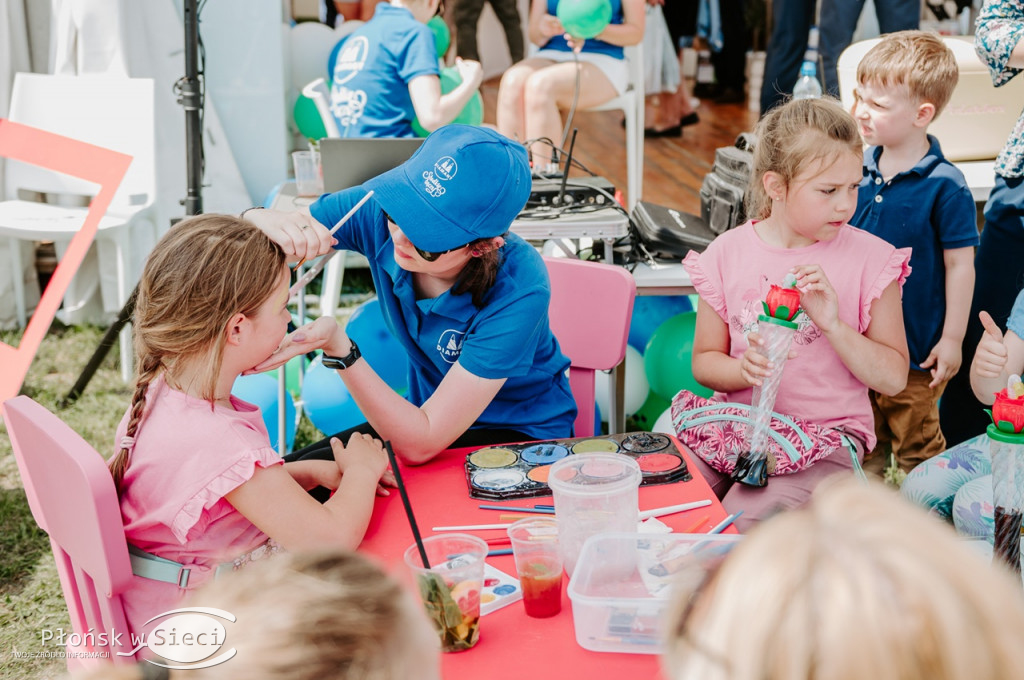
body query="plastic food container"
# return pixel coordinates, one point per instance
(623, 584)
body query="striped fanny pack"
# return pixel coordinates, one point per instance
(717, 432)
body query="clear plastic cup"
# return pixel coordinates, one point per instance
(538, 565)
(308, 180)
(450, 587)
(594, 493)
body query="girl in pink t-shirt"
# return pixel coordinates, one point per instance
(807, 167)
(198, 480)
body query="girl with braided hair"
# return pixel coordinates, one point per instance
(195, 467)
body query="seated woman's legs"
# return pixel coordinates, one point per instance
(511, 114)
(535, 94)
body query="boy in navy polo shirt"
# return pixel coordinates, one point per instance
(387, 75)
(914, 198)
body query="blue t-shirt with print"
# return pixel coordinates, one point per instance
(928, 208)
(593, 44)
(509, 337)
(370, 92)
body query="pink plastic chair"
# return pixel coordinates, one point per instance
(591, 306)
(72, 498)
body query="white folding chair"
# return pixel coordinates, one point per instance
(111, 112)
(631, 103)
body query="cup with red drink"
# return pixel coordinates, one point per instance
(538, 565)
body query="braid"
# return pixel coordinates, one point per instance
(149, 367)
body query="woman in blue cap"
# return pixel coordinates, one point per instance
(466, 299)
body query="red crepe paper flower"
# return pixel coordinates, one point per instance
(782, 303)
(1008, 412)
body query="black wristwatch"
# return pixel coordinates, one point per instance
(341, 363)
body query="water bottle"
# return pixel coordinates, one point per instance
(808, 86)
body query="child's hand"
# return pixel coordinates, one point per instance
(363, 451)
(324, 333)
(817, 297)
(944, 361)
(470, 71)
(990, 356)
(754, 366)
(550, 26)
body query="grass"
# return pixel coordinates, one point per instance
(30, 595)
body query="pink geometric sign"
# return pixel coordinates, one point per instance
(71, 157)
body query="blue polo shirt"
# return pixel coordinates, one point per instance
(928, 208)
(509, 337)
(370, 90)
(593, 44)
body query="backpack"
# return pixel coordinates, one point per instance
(723, 189)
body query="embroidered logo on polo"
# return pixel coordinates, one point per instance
(449, 345)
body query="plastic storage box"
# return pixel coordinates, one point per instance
(622, 586)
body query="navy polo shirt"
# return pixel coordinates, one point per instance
(928, 208)
(509, 337)
(370, 88)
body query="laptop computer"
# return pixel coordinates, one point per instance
(350, 162)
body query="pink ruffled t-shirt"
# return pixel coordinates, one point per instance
(187, 457)
(733, 276)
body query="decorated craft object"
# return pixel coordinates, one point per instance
(782, 303)
(1008, 408)
(776, 328)
(1006, 444)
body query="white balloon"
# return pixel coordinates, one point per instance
(664, 422)
(310, 45)
(637, 387)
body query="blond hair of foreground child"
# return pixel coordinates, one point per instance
(857, 584)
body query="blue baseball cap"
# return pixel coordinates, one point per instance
(463, 183)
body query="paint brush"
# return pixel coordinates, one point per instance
(672, 509)
(538, 511)
(697, 524)
(407, 504)
(318, 267)
(469, 527)
(725, 523)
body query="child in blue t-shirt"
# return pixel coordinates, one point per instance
(386, 75)
(913, 197)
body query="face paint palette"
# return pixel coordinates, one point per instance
(521, 470)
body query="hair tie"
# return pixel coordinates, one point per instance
(128, 443)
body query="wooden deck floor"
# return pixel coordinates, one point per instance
(673, 167)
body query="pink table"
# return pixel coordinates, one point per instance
(511, 643)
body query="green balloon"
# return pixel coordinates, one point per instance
(307, 118)
(291, 375)
(584, 18)
(442, 35)
(472, 113)
(667, 359)
(650, 411)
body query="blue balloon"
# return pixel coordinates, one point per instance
(649, 312)
(327, 401)
(261, 390)
(381, 350)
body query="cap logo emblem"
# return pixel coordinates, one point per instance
(432, 185)
(446, 167)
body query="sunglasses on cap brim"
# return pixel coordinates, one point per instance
(427, 255)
